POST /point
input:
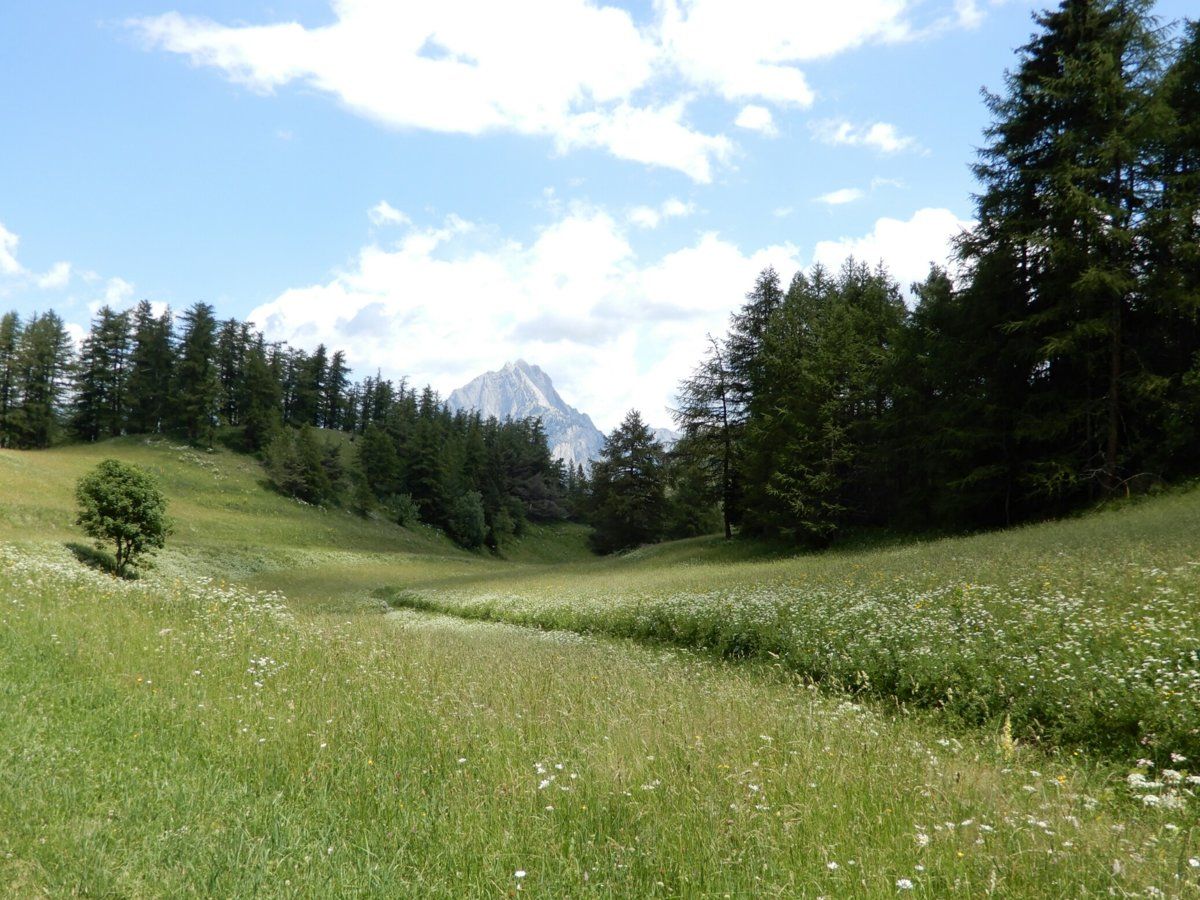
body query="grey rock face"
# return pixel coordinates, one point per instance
(520, 390)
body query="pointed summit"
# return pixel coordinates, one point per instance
(520, 390)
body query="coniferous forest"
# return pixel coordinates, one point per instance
(1054, 365)
(1055, 361)
(204, 379)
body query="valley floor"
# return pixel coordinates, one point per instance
(192, 733)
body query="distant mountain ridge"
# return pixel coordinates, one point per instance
(520, 390)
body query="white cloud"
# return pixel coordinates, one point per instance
(468, 67)
(756, 118)
(117, 292)
(651, 217)
(880, 136)
(613, 330)
(575, 71)
(57, 278)
(905, 247)
(8, 253)
(840, 196)
(383, 213)
(745, 49)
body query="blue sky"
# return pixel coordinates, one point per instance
(438, 188)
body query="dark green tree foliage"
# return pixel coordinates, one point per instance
(814, 443)
(467, 524)
(260, 406)
(693, 503)
(707, 418)
(151, 370)
(43, 366)
(1066, 186)
(197, 386)
(101, 406)
(379, 462)
(333, 399)
(628, 496)
(233, 347)
(10, 341)
(1168, 321)
(121, 505)
(302, 465)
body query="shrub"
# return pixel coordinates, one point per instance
(467, 524)
(404, 510)
(121, 505)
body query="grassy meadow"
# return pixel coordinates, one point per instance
(250, 719)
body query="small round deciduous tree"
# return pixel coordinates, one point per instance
(122, 505)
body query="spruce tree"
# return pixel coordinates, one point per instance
(44, 356)
(151, 370)
(628, 488)
(196, 386)
(1065, 188)
(704, 415)
(10, 341)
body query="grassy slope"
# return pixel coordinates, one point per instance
(1083, 631)
(172, 737)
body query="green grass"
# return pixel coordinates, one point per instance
(182, 735)
(1081, 632)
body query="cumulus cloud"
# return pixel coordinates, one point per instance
(8, 253)
(57, 278)
(905, 247)
(652, 217)
(383, 213)
(614, 330)
(840, 197)
(12, 270)
(756, 118)
(601, 80)
(880, 136)
(722, 44)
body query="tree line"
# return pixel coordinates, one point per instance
(408, 456)
(1059, 366)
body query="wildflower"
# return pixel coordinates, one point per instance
(832, 866)
(520, 873)
(904, 884)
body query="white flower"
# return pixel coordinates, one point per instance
(831, 866)
(520, 873)
(1194, 862)
(904, 884)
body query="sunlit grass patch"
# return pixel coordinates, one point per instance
(165, 738)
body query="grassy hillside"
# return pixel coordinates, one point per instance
(229, 525)
(186, 734)
(1080, 632)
